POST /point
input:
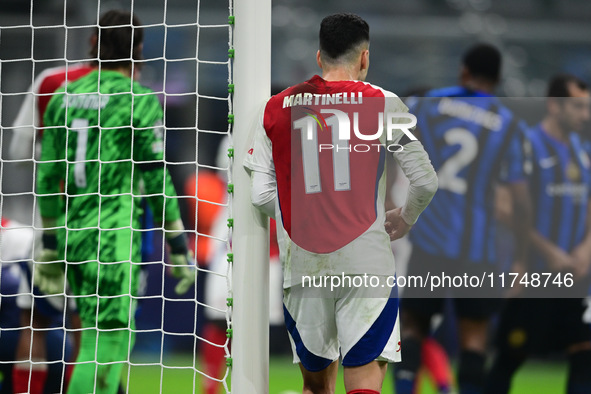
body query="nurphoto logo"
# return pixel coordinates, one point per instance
(339, 124)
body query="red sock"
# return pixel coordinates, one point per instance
(363, 391)
(437, 363)
(20, 378)
(213, 356)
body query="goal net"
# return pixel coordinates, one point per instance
(177, 342)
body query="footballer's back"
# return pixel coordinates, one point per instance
(329, 180)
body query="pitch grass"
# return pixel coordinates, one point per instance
(538, 377)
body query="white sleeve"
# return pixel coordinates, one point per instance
(394, 104)
(264, 192)
(23, 134)
(260, 154)
(415, 164)
(259, 161)
(412, 159)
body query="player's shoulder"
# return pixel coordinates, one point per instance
(462, 93)
(576, 141)
(49, 80)
(459, 92)
(115, 83)
(291, 96)
(138, 88)
(533, 132)
(535, 139)
(394, 102)
(276, 101)
(144, 94)
(78, 85)
(318, 87)
(450, 91)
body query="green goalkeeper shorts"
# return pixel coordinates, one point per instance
(103, 275)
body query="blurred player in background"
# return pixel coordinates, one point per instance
(331, 219)
(559, 175)
(102, 141)
(25, 145)
(204, 214)
(16, 247)
(473, 142)
(435, 365)
(216, 281)
(28, 125)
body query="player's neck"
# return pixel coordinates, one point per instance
(125, 70)
(479, 85)
(340, 74)
(553, 128)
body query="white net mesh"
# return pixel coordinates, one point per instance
(180, 342)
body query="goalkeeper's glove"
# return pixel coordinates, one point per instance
(49, 273)
(181, 258)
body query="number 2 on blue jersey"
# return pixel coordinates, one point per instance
(448, 174)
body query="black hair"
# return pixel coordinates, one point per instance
(483, 61)
(559, 83)
(118, 39)
(339, 33)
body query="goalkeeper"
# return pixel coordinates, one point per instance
(102, 138)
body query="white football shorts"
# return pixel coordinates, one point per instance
(360, 324)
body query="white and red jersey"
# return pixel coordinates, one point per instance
(30, 115)
(330, 190)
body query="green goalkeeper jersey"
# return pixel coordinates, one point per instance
(102, 150)
(100, 143)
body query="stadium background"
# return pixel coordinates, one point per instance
(414, 43)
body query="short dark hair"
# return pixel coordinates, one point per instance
(558, 85)
(483, 61)
(339, 33)
(119, 39)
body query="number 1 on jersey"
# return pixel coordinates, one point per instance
(80, 126)
(310, 154)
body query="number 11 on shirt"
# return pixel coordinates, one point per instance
(308, 127)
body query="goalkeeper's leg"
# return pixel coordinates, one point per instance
(91, 375)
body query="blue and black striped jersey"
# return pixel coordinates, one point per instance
(559, 182)
(587, 145)
(473, 142)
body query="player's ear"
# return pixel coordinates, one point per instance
(364, 60)
(318, 59)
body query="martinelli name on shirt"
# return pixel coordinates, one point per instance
(322, 99)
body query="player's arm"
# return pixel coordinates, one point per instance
(48, 276)
(27, 120)
(149, 156)
(52, 167)
(264, 192)
(415, 164)
(259, 162)
(557, 259)
(23, 134)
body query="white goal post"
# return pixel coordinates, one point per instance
(250, 241)
(249, 85)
